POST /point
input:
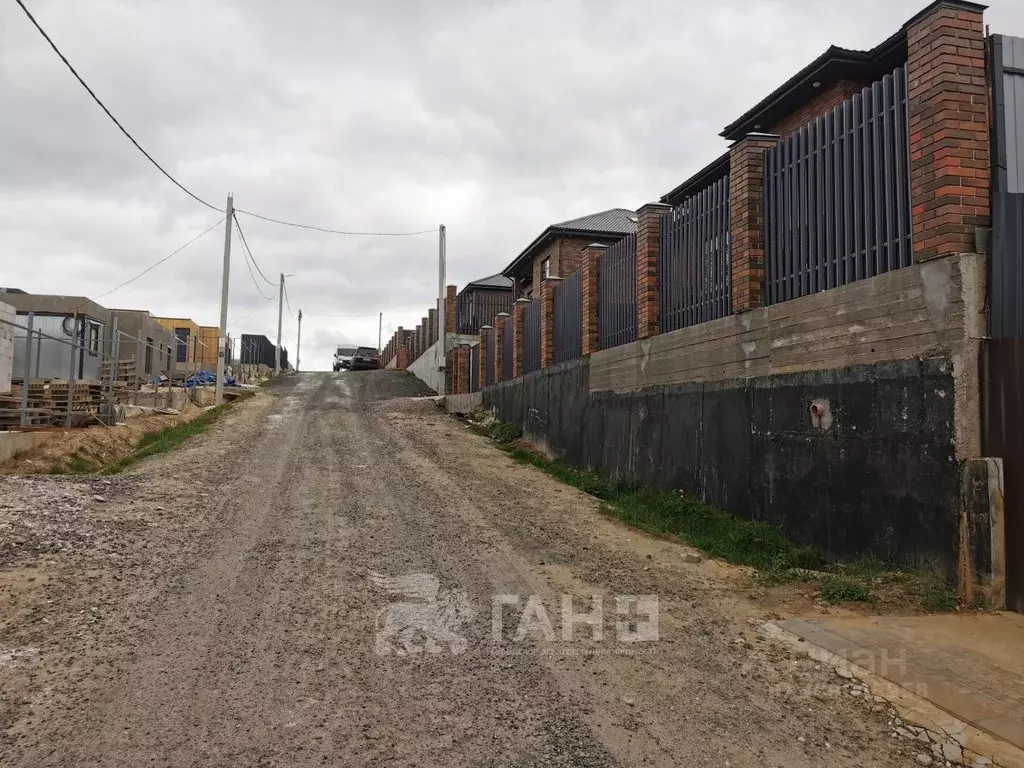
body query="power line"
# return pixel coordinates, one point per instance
(158, 263)
(103, 106)
(247, 256)
(173, 180)
(286, 302)
(246, 244)
(334, 231)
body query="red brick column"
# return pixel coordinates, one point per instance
(499, 344)
(518, 336)
(462, 357)
(449, 309)
(425, 340)
(648, 246)
(547, 321)
(950, 152)
(589, 279)
(485, 350)
(431, 327)
(746, 219)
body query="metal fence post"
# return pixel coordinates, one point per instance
(115, 347)
(28, 371)
(39, 351)
(71, 373)
(140, 355)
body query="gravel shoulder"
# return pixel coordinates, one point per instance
(224, 604)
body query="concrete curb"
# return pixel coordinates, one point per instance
(978, 746)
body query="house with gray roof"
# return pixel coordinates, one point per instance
(480, 301)
(558, 250)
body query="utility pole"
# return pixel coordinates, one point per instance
(280, 309)
(218, 391)
(298, 342)
(380, 331)
(440, 301)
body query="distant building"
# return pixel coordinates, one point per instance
(558, 250)
(480, 301)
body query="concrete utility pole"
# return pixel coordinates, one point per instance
(298, 342)
(280, 309)
(440, 300)
(380, 331)
(218, 391)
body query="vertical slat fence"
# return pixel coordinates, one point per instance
(531, 336)
(616, 314)
(569, 318)
(837, 195)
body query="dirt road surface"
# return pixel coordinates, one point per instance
(239, 602)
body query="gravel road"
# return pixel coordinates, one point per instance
(313, 582)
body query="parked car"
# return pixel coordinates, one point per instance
(365, 359)
(343, 358)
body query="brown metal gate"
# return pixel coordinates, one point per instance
(1004, 357)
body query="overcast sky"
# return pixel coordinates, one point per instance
(493, 117)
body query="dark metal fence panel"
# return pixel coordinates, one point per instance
(837, 195)
(492, 354)
(569, 318)
(506, 362)
(476, 307)
(616, 312)
(474, 368)
(1003, 438)
(1006, 280)
(531, 336)
(694, 261)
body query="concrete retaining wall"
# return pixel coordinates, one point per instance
(13, 443)
(426, 366)
(463, 404)
(840, 416)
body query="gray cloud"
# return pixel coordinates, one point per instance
(496, 118)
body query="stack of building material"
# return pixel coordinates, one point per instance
(87, 395)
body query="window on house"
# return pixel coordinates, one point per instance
(93, 338)
(149, 357)
(545, 268)
(181, 336)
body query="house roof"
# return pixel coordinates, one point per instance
(833, 66)
(613, 223)
(713, 171)
(491, 281)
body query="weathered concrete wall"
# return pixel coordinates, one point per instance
(935, 309)
(462, 404)
(840, 417)
(13, 443)
(7, 332)
(876, 474)
(426, 367)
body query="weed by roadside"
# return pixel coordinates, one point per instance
(776, 558)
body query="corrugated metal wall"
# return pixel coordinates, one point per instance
(52, 359)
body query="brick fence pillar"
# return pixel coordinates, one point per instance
(431, 326)
(746, 219)
(648, 247)
(547, 320)
(449, 309)
(499, 344)
(485, 350)
(590, 278)
(425, 322)
(950, 152)
(518, 336)
(462, 358)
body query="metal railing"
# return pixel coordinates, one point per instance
(531, 336)
(568, 318)
(616, 314)
(476, 307)
(114, 382)
(837, 195)
(506, 362)
(474, 368)
(694, 259)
